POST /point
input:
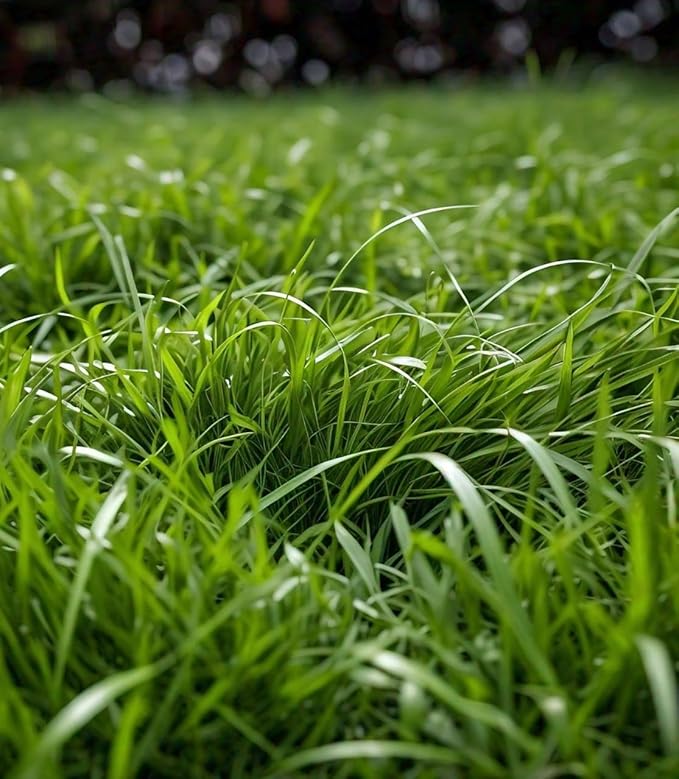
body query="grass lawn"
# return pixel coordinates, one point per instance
(339, 435)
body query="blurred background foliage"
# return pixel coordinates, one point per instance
(261, 45)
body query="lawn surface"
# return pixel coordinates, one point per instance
(294, 482)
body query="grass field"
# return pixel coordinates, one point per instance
(339, 435)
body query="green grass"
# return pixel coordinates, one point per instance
(280, 499)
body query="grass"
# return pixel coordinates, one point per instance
(295, 481)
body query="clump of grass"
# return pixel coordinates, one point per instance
(281, 499)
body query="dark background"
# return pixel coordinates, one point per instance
(260, 45)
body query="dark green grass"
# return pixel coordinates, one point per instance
(297, 480)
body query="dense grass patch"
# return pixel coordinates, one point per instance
(338, 436)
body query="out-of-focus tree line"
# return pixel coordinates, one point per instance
(260, 45)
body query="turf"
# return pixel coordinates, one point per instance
(339, 435)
